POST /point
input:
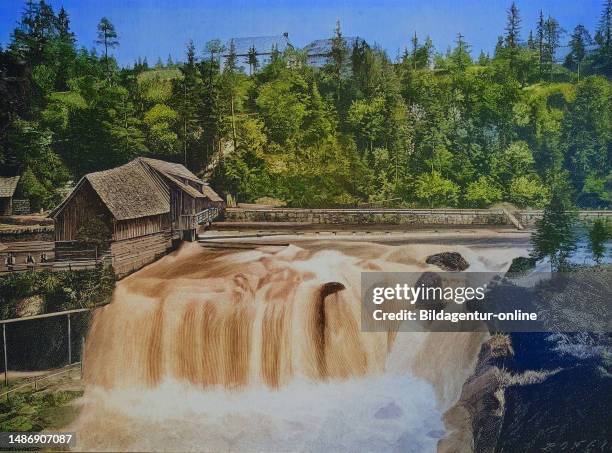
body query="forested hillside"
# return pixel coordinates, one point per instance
(425, 128)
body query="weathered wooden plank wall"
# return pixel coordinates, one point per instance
(126, 229)
(131, 254)
(83, 206)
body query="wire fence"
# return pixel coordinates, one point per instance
(66, 369)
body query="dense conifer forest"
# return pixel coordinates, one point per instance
(425, 128)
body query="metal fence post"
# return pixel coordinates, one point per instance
(69, 343)
(82, 354)
(5, 357)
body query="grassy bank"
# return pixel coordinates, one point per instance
(35, 411)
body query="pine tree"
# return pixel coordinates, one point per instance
(531, 44)
(63, 26)
(210, 112)
(275, 55)
(107, 36)
(599, 234)
(499, 47)
(338, 58)
(578, 48)
(555, 235)
(230, 80)
(186, 95)
(513, 29)
(64, 52)
(540, 33)
(461, 53)
(214, 48)
(483, 58)
(602, 60)
(38, 26)
(231, 58)
(552, 41)
(253, 61)
(424, 54)
(415, 49)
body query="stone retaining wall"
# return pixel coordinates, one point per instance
(476, 217)
(529, 218)
(27, 233)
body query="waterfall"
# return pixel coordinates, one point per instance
(269, 339)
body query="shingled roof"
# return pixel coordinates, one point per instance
(129, 191)
(262, 44)
(185, 187)
(318, 52)
(169, 168)
(211, 194)
(8, 186)
(134, 190)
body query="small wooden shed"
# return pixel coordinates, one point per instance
(7, 190)
(135, 210)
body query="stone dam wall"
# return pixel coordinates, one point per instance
(475, 217)
(529, 217)
(415, 217)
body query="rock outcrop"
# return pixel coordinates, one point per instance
(449, 261)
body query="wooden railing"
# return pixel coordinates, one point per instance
(55, 266)
(191, 222)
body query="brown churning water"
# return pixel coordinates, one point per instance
(223, 328)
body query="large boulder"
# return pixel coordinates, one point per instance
(449, 261)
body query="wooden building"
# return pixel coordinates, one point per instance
(319, 52)
(134, 211)
(7, 190)
(262, 45)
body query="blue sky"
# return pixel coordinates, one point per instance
(155, 28)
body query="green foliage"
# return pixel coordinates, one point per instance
(283, 106)
(598, 188)
(434, 191)
(93, 232)
(429, 129)
(516, 160)
(107, 37)
(30, 187)
(528, 191)
(44, 170)
(599, 234)
(59, 290)
(367, 117)
(483, 193)
(587, 136)
(161, 122)
(35, 411)
(156, 85)
(555, 235)
(602, 57)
